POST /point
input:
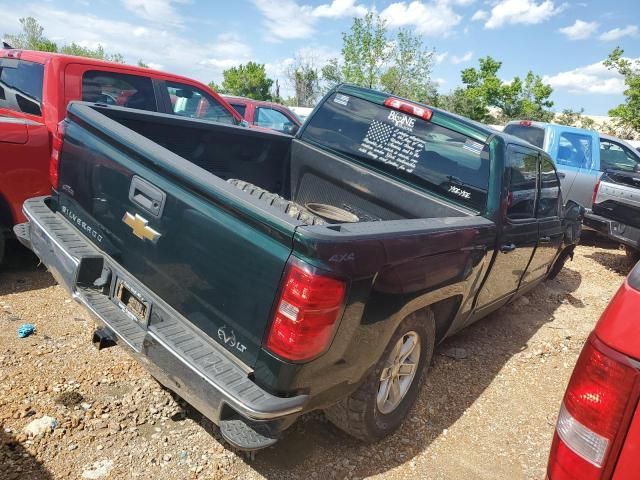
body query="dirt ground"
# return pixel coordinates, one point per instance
(490, 415)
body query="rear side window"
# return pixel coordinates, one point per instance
(523, 172)
(549, 203)
(574, 150)
(271, 118)
(422, 153)
(617, 157)
(240, 108)
(21, 86)
(188, 101)
(131, 91)
(534, 135)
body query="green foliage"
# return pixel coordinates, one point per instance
(98, 53)
(519, 99)
(248, 80)
(32, 38)
(143, 64)
(371, 58)
(627, 114)
(304, 77)
(574, 118)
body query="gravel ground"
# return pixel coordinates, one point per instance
(490, 415)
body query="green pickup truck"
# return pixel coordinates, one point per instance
(261, 276)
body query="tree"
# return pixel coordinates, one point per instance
(31, 37)
(574, 118)
(627, 114)
(304, 77)
(371, 58)
(143, 64)
(524, 99)
(98, 53)
(248, 80)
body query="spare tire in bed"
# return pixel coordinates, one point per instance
(276, 201)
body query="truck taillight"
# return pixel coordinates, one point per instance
(595, 192)
(306, 313)
(54, 162)
(596, 405)
(409, 107)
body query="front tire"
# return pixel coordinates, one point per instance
(379, 406)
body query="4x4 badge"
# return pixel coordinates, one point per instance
(140, 227)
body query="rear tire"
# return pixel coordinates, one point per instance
(286, 206)
(361, 414)
(633, 255)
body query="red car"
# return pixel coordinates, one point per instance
(265, 114)
(35, 88)
(598, 431)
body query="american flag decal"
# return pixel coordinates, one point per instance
(379, 132)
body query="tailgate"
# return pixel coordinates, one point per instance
(181, 232)
(618, 197)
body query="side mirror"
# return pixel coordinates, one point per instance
(293, 129)
(244, 123)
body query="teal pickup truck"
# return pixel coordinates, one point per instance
(261, 276)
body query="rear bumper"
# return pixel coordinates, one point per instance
(180, 357)
(625, 234)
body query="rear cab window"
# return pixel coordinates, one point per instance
(527, 132)
(21, 86)
(189, 101)
(131, 91)
(419, 152)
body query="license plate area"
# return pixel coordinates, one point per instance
(131, 302)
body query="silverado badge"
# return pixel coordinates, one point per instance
(140, 227)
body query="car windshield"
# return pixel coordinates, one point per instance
(422, 153)
(533, 135)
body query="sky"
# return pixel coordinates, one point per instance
(564, 41)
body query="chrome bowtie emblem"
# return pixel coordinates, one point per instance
(140, 227)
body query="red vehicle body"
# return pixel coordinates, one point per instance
(265, 114)
(598, 431)
(35, 88)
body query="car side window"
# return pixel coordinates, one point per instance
(615, 156)
(549, 196)
(574, 150)
(271, 118)
(21, 86)
(522, 166)
(240, 108)
(131, 91)
(188, 101)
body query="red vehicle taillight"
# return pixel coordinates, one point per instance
(595, 192)
(306, 313)
(598, 402)
(409, 107)
(56, 147)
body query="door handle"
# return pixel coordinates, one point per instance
(147, 196)
(545, 239)
(507, 247)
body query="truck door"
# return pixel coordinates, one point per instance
(574, 160)
(519, 235)
(549, 225)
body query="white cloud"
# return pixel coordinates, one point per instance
(287, 19)
(527, 12)
(617, 33)
(340, 8)
(435, 18)
(480, 15)
(167, 48)
(157, 11)
(440, 57)
(463, 59)
(580, 30)
(590, 79)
